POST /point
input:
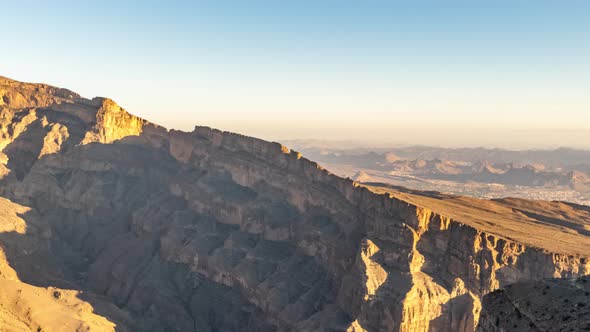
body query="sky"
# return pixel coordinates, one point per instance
(446, 73)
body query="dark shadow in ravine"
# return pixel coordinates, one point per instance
(23, 152)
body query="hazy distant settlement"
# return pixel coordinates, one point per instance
(551, 175)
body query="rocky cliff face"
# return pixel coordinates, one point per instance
(140, 228)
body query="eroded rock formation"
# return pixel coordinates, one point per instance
(148, 229)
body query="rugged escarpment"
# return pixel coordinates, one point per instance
(152, 229)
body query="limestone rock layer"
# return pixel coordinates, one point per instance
(117, 223)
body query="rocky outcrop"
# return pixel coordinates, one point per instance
(19, 95)
(112, 123)
(215, 231)
(547, 305)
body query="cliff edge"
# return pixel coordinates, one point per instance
(140, 228)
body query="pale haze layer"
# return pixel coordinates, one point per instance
(510, 74)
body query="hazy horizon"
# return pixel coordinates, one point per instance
(492, 138)
(507, 74)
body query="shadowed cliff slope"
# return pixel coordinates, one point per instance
(120, 224)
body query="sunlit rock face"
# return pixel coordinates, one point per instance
(143, 229)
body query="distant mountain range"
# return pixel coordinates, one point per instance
(562, 169)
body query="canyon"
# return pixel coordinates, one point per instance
(112, 223)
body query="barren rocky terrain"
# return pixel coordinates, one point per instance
(546, 305)
(110, 222)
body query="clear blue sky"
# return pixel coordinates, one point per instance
(361, 70)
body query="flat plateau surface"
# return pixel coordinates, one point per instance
(554, 226)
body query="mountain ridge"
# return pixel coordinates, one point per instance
(229, 232)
